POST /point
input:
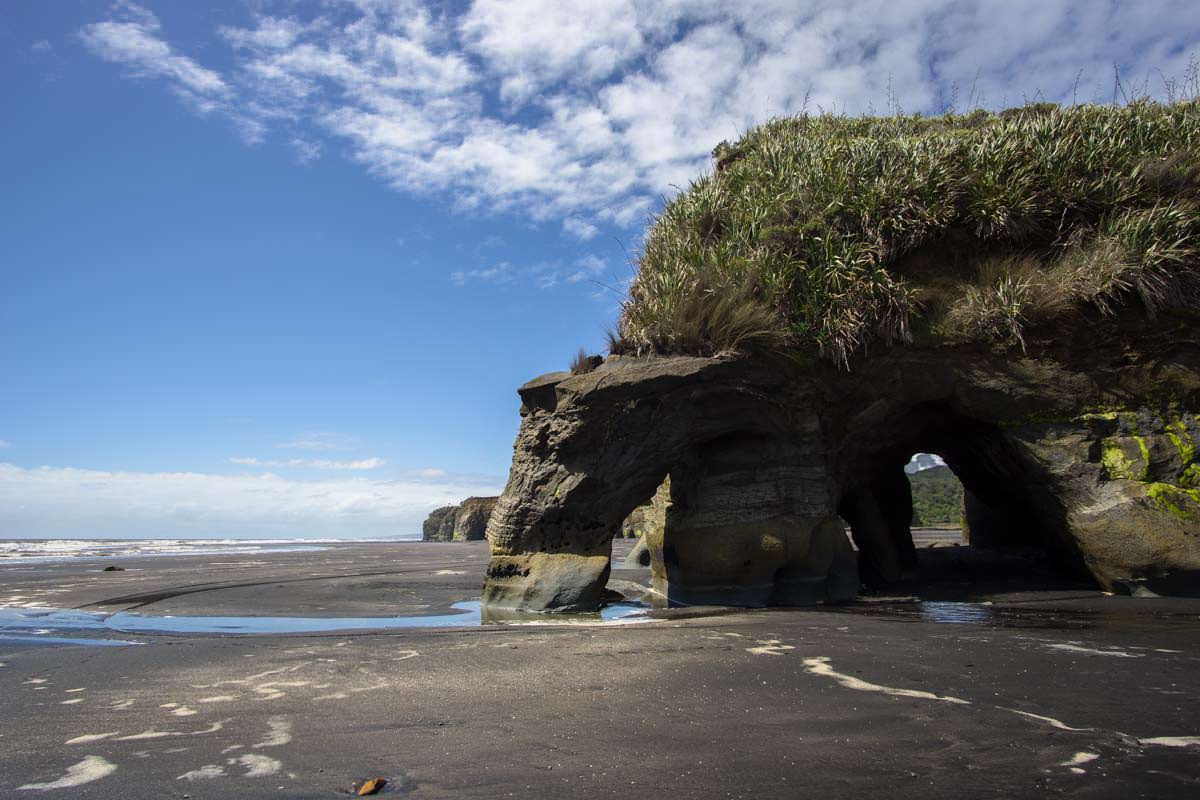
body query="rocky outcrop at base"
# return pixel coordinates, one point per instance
(465, 522)
(1084, 444)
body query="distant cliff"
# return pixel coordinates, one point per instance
(465, 522)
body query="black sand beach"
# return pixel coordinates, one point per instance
(1027, 693)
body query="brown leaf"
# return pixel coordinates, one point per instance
(370, 786)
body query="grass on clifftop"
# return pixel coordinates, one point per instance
(832, 233)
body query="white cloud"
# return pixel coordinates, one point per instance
(319, 441)
(580, 228)
(428, 473)
(535, 44)
(135, 43)
(42, 46)
(65, 501)
(500, 273)
(307, 150)
(588, 112)
(310, 463)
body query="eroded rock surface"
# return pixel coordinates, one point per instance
(432, 529)
(465, 522)
(1083, 445)
(471, 518)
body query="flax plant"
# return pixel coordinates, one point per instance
(810, 231)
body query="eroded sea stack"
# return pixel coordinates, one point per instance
(1016, 293)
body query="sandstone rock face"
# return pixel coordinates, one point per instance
(1084, 445)
(465, 522)
(471, 519)
(431, 530)
(638, 557)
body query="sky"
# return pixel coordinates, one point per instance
(276, 267)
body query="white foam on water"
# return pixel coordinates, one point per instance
(1080, 758)
(87, 738)
(1172, 741)
(280, 733)
(1051, 721)
(820, 666)
(92, 768)
(153, 733)
(1074, 647)
(27, 551)
(257, 766)
(205, 773)
(770, 647)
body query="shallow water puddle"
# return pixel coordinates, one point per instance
(5, 638)
(36, 623)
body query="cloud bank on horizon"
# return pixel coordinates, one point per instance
(82, 503)
(585, 113)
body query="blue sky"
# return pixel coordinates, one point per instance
(275, 268)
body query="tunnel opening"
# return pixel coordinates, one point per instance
(1010, 529)
(743, 519)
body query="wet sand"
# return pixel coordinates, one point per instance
(1018, 693)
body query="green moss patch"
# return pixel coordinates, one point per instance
(1120, 465)
(1183, 504)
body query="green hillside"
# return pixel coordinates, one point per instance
(937, 497)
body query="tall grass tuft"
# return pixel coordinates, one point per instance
(831, 232)
(582, 363)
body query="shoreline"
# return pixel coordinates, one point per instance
(896, 696)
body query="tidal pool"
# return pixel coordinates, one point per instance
(38, 623)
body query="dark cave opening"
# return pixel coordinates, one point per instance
(1013, 535)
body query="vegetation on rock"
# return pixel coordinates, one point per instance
(828, 233)
(937, 497)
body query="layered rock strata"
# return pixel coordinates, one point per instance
(1083, 445)
(465, 522)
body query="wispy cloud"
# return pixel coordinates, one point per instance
(133, 40)
(588, 117)
(310, 463)
(500, 273)
(66, 501)
(580, 228)
(586, 268)
(320, 441)
(4, 444)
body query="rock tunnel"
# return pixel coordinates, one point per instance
(1007, 498)
(764, 455)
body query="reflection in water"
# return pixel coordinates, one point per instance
(42, 621)
(956, 613)
(34, 639)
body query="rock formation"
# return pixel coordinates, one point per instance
(471, 518)
(466, 522)
(1015, 293)
(432, 529)
(1085, 445)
